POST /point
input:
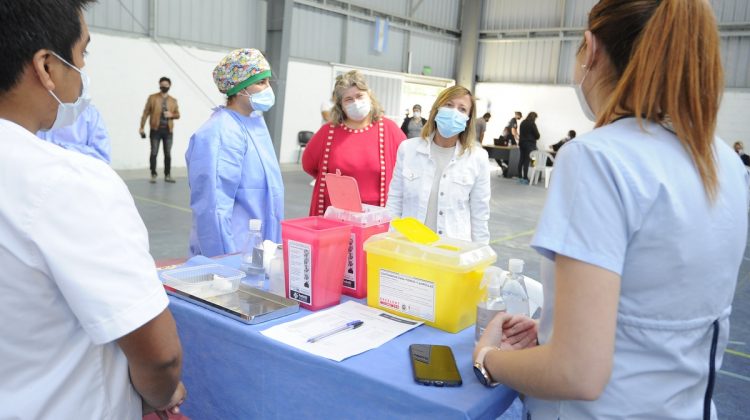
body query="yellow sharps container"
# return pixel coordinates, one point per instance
(437, 283)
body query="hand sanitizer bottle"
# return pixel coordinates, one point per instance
(252, 256)
(493, 303)
(514, 289)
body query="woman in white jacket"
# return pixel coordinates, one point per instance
(443, 178)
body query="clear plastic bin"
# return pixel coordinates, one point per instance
(371, 221)
(204, 281)
(436, 283)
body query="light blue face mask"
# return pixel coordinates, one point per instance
(450, 122)
(263, 100)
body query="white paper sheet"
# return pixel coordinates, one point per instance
(378, 328)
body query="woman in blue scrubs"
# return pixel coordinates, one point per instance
(233, 171)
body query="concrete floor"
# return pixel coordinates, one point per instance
(515, 209)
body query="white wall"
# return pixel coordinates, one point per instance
(125, 70)
(733, 117)
(556, 106)
(559, 111)
(308, 85)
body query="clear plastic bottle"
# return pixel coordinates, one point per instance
(493, 303)
(514, 289)
(252, 256)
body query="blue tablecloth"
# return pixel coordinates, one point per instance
(232, 371)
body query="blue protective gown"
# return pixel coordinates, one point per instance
(234, 176)
(86, 135)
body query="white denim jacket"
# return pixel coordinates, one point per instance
(464, 193)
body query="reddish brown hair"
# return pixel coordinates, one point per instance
(667, 68)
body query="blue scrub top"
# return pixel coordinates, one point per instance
(234, 176)
(86, 135)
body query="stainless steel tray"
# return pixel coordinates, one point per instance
(248, 305)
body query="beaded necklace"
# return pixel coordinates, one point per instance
(326, 153)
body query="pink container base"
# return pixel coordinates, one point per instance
(355, 273)
(315, 254)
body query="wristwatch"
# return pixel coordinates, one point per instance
(479, 370)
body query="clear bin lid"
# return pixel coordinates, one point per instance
(449, 254)
(370, 216)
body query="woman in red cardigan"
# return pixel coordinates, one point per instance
(358, 141)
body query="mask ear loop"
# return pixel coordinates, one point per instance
(587, 67)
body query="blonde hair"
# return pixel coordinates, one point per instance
(466, 137)
(345, 81)
(667, 65)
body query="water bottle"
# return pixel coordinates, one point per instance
(252, 256)
(514, 289)
(493, 303)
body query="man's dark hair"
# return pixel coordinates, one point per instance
(31, 25)
(487, 115)
(519, 113)
(572, 134)
(165, 79)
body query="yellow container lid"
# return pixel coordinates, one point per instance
(448, 254)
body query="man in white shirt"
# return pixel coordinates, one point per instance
(85, 328)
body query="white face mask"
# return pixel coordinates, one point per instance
(585, 107)
(417, 115)
(581, 95)
(68, 113)
(358, 110)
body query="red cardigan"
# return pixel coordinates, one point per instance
(355, 153)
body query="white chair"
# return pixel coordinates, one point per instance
(540, 161)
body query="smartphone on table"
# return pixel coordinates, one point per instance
(434, 365)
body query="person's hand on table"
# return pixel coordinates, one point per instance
(508, 332)
(180, 393)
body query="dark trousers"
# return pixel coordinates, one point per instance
(162, 134)
(523, 162)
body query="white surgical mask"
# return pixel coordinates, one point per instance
(263, 100)
(581, 95)
(358, 110)
(450, 122)
(68, 113)
(585, 107)
(417, 115)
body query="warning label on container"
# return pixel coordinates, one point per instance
(350, 275)
(406, 294)
(300, 271)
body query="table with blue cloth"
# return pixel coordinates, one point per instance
(232, 371)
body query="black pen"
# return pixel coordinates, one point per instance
(349, 326)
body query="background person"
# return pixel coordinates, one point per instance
(233, 172)
(86, 135)
(412, 126)
(86, 331)
(528, 137)
(482, 126)
(161, 109)
(739, 148)
(443, 177)
(511, 129)
(325, 110)
(639, 308)
(359, 141)
(556, 147)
